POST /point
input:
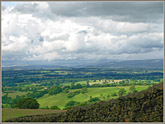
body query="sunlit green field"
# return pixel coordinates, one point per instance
(61, 99)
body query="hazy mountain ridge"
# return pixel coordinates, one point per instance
(153, 63)
(147, 64)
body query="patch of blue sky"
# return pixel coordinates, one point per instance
(4, 3)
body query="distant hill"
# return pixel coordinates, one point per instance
(147, 64)
(144, 106)
(32, 67)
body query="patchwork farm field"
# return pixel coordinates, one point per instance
(57, 90)
(62, 98)
(8, 113)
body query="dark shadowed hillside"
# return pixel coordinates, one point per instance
(144, 106)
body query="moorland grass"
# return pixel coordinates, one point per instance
(8, 113)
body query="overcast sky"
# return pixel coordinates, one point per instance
(49, 31)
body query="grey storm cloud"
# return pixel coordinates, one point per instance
(26, 8)
(119, 11)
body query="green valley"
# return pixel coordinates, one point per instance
(65, 88)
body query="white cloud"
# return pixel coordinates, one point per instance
(121, 27)
(29, 36)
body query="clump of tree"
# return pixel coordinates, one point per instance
(108, 96)
(27, 103)
(10, 102)
(55, 107)
(66, 90)
(66, 87)
(114, 94)
(72, 103)
(95, 99)
(84, 90)
(77, 86)
(6, 99)
(37, 94)
(132, 87)
(122, 91)
(88, 85)
(72, 94)
(55, 90)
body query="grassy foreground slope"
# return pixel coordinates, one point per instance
(144, 106)
(8, 113)
(62, 99)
